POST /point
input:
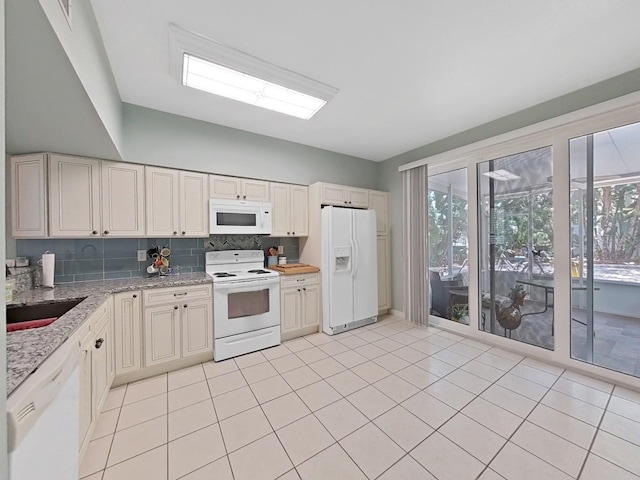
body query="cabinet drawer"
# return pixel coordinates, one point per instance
(101, 316)
(161, 296)
(297, 280)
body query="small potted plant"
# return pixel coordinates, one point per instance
(459, 312)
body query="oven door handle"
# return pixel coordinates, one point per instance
(246, 286)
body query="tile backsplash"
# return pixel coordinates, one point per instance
(81, 260)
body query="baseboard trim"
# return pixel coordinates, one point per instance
(396, 313)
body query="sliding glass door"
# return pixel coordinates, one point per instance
(605, 233)
(515, 238)
(448, 245)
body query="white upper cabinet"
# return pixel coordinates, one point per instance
(280, 210)
(225, 187)
(162, 202)
(177, 203)
(74, 196)
(290, 210)
(299, 210)
(28, 196)
(233, 188)
(122, 200)
(194, 205)
(334, 194)
(341, 195)
(379, 201)
(255, 190)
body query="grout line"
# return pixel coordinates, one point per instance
(417, 339)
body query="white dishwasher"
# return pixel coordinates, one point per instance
(43, 420)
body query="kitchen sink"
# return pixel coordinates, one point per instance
(18, 314)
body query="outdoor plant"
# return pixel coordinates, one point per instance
(458, 312)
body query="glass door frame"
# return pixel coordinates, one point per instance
(438, 169)
(556, 133)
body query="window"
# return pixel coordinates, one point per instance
(605, 241)
(515, 238)
(448, 226)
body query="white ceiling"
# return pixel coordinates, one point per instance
(409, 72)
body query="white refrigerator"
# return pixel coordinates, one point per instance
(349, 269)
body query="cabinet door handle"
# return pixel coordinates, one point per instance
(180, 294)
(106, 232)
(95, 232)
(288, 233)
(345, 202)
(135, 296)
(304, 289)
(244, 197)
(185, 305)
(184, 233)
(293, 233)
(99, 342)
(237, 196)
(298, 289)
(175, 233)
(175, 307)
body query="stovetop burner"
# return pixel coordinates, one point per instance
(258, 271)
(224, 274)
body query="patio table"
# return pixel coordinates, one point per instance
(548, 286)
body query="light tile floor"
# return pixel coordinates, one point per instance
(389, 401)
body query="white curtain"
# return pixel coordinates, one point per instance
(414, 199)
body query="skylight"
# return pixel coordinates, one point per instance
(502, 175)
(205, 64)
(226, 82)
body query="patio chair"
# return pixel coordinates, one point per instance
(440, 294)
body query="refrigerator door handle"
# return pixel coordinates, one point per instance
(355, 254)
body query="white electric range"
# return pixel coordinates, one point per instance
(246, 302)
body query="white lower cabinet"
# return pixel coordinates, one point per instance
(96, 369)
(384, 274)
(161, 334)
(300, 304)
(87, 399)
(197, 327)
(178, 325)
(127, 318)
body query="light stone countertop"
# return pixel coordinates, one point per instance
(27, 349)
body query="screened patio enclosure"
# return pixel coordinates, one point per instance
(516, 247)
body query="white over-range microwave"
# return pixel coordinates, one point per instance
(239, 217)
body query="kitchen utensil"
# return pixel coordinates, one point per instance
(152, 269)
(165, 252)
(164, 269)
(158, 262)
(165, 261)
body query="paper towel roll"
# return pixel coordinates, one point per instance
(48, 268)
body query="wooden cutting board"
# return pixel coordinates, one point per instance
(294, 268)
